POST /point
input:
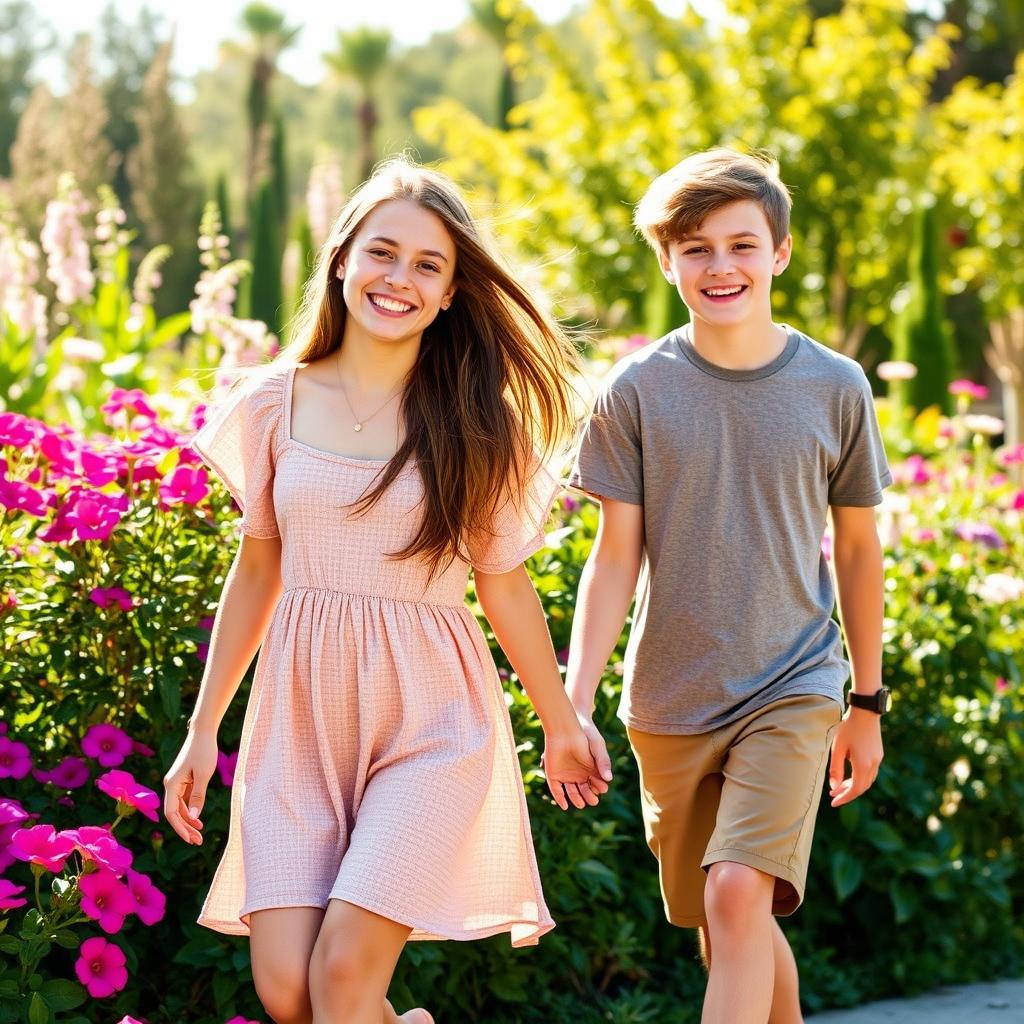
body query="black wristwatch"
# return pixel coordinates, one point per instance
(879, 702)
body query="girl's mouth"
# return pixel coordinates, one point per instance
(388, 306)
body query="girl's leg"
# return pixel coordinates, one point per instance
(281, 941)
(351, 965)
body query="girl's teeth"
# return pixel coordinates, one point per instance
(391, 307)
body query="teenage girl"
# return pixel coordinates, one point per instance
(401, 438)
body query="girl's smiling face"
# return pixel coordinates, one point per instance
(724, 268)
(398, 272)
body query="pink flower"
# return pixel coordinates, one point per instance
(185, 485)
(141, 748)
(1012, 456)
(71, 773)
(1018, 501)
(241, 1020)
(98, 844)
(925, 536)
(134, 401)
(968, 389)
(150, 902)
(22, 497)
(15, 759)
(226, 766)
(126, 1019)
(93, 515)
(100, 967)
(11, 812)
(107, 744)
(125, 790)
(9, 893)
(16, 430)
(42, 844)
(105, 899)
(104, 596)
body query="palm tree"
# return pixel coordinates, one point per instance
(362, 55)
(269, 37)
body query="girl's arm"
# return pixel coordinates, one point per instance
(251, 590)
(857, 557)
(514, 611)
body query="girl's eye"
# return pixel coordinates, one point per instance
(433, 267)
(378, 252)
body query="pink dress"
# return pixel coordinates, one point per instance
(377, 762)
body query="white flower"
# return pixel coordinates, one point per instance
(896, 369)
(978, 423)
(1000, 588)
(83, 350)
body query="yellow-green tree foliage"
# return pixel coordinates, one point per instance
(981, 161)
(839, 100)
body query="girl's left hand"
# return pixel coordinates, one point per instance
(571, 772)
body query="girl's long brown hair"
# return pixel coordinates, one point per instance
(492, 382)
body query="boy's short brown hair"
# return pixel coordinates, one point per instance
(681, 199)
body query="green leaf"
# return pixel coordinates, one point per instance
(847, 873)
(62, 994)
(600, 875)
(38, 1011)
(883, 836)
(67, 939)
(904, 900)
(9, 944)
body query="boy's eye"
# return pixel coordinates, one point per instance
(694, 250)
(744, 245)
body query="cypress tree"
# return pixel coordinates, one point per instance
(265, 294)
(921, 335)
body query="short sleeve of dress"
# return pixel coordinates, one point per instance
(517, 529)
(609, 459)
(239, 443)
(862, 470)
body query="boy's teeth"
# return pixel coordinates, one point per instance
(390, 305)
(724, 291)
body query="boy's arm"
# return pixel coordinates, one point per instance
(857, 557)
(605, 593)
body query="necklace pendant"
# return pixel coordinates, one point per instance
(358, 427)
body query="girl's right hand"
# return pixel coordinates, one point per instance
(185, 785)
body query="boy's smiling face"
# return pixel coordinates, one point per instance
(724, 268)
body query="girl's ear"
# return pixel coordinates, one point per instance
(339, 272)
(448, 296)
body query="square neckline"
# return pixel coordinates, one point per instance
(288, 398)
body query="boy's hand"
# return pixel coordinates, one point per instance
(859, 741)
(571, 772)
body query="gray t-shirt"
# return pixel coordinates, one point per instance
(735, 470)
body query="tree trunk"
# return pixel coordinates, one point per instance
(1006, 357)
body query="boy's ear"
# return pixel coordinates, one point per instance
(666, 265)
(782, 255)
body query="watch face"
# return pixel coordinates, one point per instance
(884, 700)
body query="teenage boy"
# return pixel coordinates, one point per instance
(716, 453)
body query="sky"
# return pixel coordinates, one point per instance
(203, 24)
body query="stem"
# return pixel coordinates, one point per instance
(39, 904)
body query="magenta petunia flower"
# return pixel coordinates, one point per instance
(241, 1020)
(106, 744)
(42, 844)
(1018, 502)
(11, 811)
(226, 767)
(105, 899)
(126, 1019)
(150, 902)
(9, 895)
(101, 967)
(185, 485)
(141, 748)
(968, 389)
(106, 596)
(123, 788)
(22, 497)
(71, 773)
(15, 759)
(98, 844)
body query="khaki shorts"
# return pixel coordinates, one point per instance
(746, 792)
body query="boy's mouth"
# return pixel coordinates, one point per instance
(389, 306)
(724, 293)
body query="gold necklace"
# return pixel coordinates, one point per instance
(358, 423)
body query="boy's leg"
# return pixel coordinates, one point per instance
(786, 982)
(757, 858)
